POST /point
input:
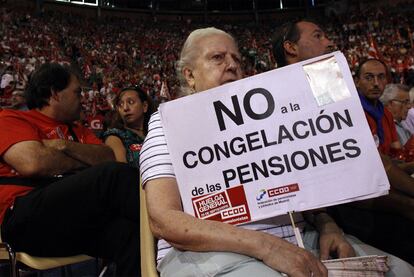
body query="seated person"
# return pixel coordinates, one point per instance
(408, 122)
(18, 101)
(371, 77)
(194, 247)
(396, 99)
(372, 220)
(130, 126)
(61, 194)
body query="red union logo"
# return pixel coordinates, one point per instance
(234, 211)
(211, 204)
(282, 190)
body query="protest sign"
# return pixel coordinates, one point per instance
(290, 139)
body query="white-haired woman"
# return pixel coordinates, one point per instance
(194, 247)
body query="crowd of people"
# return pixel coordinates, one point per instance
(118, 52)
(59, 180)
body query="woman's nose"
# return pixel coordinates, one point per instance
(231, 63)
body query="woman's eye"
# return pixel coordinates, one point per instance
(217, 57)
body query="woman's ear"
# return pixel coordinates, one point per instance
(189, 77)
(145, 106)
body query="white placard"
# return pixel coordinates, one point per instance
(289, 139)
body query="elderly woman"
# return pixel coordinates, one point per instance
(194, 247)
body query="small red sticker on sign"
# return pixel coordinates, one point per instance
(229, 206)
(282, 190)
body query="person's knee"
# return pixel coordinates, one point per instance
(119, 170)
(113, 166)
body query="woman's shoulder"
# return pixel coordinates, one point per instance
(113, 132)
(155, 119)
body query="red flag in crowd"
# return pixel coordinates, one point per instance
(87, 70)
(354, 61)
(410, 36)
(398, 34)
(271, 58)
(373, 51)
(254, 43)
(165, 94)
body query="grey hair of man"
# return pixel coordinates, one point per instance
(390, 92)
(190, 53)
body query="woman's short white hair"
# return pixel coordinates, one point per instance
(390, 92)
(190, 52)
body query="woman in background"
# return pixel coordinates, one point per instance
(133, 109)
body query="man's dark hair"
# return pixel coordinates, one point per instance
(49, 77)
(358, 69)
(289, 31)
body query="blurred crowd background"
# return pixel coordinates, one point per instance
(116, 51)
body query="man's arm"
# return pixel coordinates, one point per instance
(185, 232)
(90, 154)
(396, 145)
(34, 159)
(407, 167)
(397, 177)
(395, 202)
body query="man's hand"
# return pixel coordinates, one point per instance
(89, 154)
(57, 144)
(334, 243)
(408, 167)
(332, 240)
(296, 262)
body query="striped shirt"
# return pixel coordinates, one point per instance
(155, 162)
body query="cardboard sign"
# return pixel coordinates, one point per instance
(290, 139)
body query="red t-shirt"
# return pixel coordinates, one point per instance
(390, 133)
(18, 126)
(95, 123)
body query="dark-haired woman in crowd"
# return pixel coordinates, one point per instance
(133, 109)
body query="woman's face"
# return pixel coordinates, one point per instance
(218, 63)
(131, 108)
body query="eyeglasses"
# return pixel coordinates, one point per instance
(405, 102)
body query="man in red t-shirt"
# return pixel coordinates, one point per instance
(60, 191)
(371, 80)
